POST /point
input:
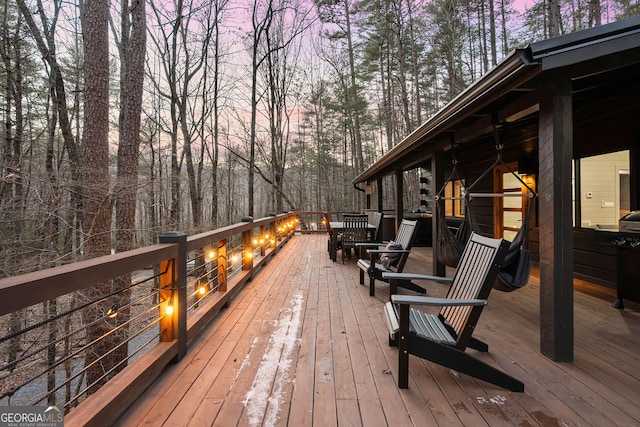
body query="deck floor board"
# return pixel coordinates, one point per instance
(303, 344)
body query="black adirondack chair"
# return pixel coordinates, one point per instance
(443, 338)
(379, 261)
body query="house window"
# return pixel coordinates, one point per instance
(605, 192)
(455, 207)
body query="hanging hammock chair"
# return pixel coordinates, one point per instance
(516, 269)
(514, 274)
(517, 265)
(451, 245)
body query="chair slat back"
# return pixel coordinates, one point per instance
(405, 236)
(376, 221)
(477, 270)
(355, 230)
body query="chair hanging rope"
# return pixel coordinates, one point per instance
(499, 162)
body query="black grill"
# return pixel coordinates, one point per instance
(627, 243)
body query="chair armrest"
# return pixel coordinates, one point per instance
(369, 244)
(412, 276)
(418, 300)
(388, 251)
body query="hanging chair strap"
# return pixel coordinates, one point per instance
(453, 177)
(499, 138)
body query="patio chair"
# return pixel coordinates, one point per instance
(376, 220)
(442, 338)
(355, 231)
(390, 259)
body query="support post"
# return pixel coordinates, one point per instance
(399, 198)
(380, 198)
(437, 181)
(556, 223)
(247, 246)
(222, 265)
(174, 322)
(367, 192)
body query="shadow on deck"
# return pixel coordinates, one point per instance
(305, 344)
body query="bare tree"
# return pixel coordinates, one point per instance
(281, 50)
(213, 96)
(46, 43)
(183, 45)
(261, 20)
(339, 12)
(11, 184)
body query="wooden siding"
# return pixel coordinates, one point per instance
(303, 344)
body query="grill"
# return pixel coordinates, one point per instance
(630, 223)
(627, 242)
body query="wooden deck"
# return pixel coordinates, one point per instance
(303, 344)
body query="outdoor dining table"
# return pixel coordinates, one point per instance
(335, 228)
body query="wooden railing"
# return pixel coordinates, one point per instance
(193, 278)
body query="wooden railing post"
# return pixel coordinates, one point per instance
(262, 241)
(273, 233)
(222, 265)
(247, 245)
(173, 293)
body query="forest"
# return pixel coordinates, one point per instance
(124, 119)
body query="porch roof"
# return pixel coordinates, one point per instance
(593, 58)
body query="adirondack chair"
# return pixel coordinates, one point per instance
(443, 338)
(374, 265)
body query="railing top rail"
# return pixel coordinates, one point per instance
(208, 237)
(202, 239)
(269, 219)
(32, 288)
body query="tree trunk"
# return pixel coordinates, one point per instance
(401, 70)
(132, 57)
(414, 64)
(595, 13)
(97, 225)
(492, 32)
(555, 21)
